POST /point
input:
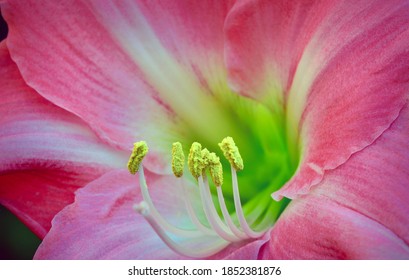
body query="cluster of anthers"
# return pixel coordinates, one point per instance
(219, 228)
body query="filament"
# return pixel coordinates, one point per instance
(239, 210)
(212, 233)
(207, 251)
(211, 213)
(192, 214)
(226, 215)
(156, 215)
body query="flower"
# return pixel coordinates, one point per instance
(314, 94)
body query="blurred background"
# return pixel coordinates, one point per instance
(16, 240)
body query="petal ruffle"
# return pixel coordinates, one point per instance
(339, 68)
(116, 65)
(46, 152)
(359, 211)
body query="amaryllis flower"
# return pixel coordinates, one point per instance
(314, 95)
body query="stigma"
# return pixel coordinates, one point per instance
(217, 231)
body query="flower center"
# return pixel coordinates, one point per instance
(221, 224)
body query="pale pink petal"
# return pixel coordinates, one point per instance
(360, 210)
(338, 70)
(46, 152)
(120, 65)
(101, 223)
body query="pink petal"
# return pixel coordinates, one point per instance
(90, 64)
(249, 251)
(338, 68)
(265, 41)
(316, 228)
(359, 211)
(179, 48)
(46, 152)
(101, 223)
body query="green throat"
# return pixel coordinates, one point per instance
(259, 131)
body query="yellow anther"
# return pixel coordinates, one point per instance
(213, 159)
(140, 149)
(204, 161)
(194, 160)
(231, 152)
(178, 159)
(216, 169)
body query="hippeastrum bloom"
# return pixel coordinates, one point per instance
(308, 100)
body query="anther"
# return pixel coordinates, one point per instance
(140, 149)
(178, 159)
(231, 153)
(194, 159)
(204, 161)
(215, 168)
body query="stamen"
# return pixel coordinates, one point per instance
(198, 163)
(220, 231)
(194, 160)
(140, 149)
(231, 152)
(216, 173)
(178, 162)
(204, 161)
(178, 159)
(216, 169)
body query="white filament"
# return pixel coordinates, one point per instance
(222, 232)
(227, 217)
(207, 251)
(211, 213)
(156, 215)
(192, 214)
(239, 210)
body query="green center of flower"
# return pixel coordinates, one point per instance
(259, 130)
(237, 205)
